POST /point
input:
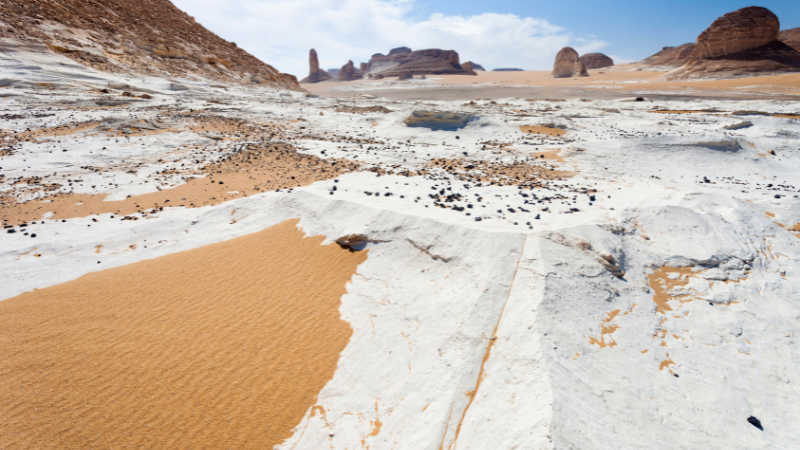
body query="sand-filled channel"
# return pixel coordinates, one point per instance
(223, 346)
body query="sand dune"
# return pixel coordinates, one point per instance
(224, 346)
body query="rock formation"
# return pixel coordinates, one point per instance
(742, 43)
(381, 63)
(364, 69)
(475, 66)
(348, 72)
(420, 62)
(316, 74)
(467, 66)
(671, 56)
(405, 76)
(507, 69)
(568, 64)
(146, 37)
(596, 61)
(791, 38)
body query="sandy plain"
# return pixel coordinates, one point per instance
(198, 349)
(621, 81)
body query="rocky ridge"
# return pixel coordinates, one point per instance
(150, 37)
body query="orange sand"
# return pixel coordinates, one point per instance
(246, 173)
(661, 285)
(224, 346)
(622, 78)
(542, 130)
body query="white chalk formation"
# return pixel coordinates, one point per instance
(490, 333)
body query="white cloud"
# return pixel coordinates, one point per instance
(280, 32)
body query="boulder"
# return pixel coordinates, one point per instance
(596, 61)
(671, 56)
(740, 44)
(568, 64)
(405, 76)
(475, 66)
(348, 72)
(315, 74)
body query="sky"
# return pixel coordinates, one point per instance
(524, 34)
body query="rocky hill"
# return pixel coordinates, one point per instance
(150, 37)
(671, 56)
(742, 43)
(791, 38)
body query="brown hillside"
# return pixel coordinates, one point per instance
(145, 36)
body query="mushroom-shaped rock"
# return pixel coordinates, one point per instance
(568, 64)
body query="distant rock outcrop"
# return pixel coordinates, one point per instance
(467, 66)
(596, 61)
(568, 64)
(742, 43)
(507, 69)
(671, 56)
(791, 38)
(421, 62)
(475, 66)
(316, 74)
(144, 37)
(348, 72)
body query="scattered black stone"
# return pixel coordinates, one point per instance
(755, 422)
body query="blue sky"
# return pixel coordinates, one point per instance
(497, 33)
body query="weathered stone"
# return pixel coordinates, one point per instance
(315, 74)
(348, 72)
(439, 120)
(596, 61)
(568, 64)
(405, 76)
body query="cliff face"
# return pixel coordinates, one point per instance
(150, 37)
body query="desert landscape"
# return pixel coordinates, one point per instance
(408, 252)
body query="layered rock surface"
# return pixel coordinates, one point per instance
(742, 43)
(596, 61)
(568, 64)
(150, 37)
